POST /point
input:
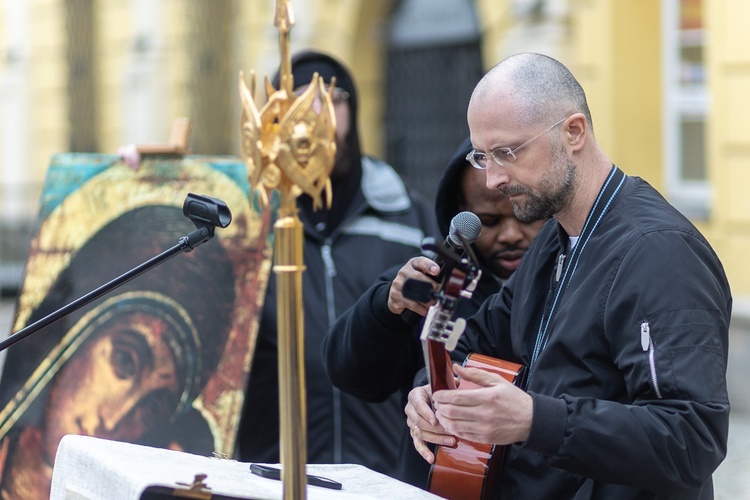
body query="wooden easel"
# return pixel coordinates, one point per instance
(178, 143)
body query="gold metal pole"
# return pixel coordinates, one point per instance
(290, 147)
(292, 401)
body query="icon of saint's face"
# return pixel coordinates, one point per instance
(120, 384)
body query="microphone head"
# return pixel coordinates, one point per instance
(468, 225)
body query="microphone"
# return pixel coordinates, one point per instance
(465, 228)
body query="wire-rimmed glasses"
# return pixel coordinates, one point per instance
(338, 95)
(503, 156)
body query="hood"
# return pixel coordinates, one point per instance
(448, 192)
(305, 64)
(345, 187)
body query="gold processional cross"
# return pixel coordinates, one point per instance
(290, 147)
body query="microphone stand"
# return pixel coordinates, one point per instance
(205, 212)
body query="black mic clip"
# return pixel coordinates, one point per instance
(450, 261)
(450, 258)
(446, 256)
(206, 213)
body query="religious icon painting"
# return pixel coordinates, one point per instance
(161, 360)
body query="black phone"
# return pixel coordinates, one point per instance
(275, 473)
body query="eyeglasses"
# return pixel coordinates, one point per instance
(503, 156)
(338, 96)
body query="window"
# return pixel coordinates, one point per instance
(685, 107)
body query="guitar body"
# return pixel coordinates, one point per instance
(469, 470)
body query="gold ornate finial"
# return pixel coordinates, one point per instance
(289, 145)
(284, 20)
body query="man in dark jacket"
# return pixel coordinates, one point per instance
(372, 352)
(374, 223)
(620, 311)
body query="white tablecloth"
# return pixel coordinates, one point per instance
(89, 468)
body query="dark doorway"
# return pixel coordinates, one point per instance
(434, 61)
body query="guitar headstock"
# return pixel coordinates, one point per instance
(459, 272)
(458, 278)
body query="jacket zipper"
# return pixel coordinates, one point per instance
(330, 273)
(560, 265)
(647, 344)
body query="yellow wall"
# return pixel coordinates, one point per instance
(115, 31)
(49, 128)
(368, 64)
(613, 47)
(635, 69)
(728, 56)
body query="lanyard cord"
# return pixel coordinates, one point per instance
(609, 192)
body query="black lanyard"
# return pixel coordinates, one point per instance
(607, 194)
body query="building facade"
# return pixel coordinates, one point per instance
(667, 82)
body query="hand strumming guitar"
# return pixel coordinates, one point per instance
(466, 413)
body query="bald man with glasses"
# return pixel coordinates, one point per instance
(619, 311)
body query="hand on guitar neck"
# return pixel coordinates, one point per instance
(486, 390)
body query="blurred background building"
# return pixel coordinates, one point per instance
(667, 82)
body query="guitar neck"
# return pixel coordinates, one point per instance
(439, 364)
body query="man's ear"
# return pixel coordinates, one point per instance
(577, 131)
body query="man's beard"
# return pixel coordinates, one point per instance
(554, 193)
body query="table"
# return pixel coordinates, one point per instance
(88, 468)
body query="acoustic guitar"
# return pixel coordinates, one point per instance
(468, 470)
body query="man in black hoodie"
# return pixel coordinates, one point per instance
(372, 351)
(374, 223)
